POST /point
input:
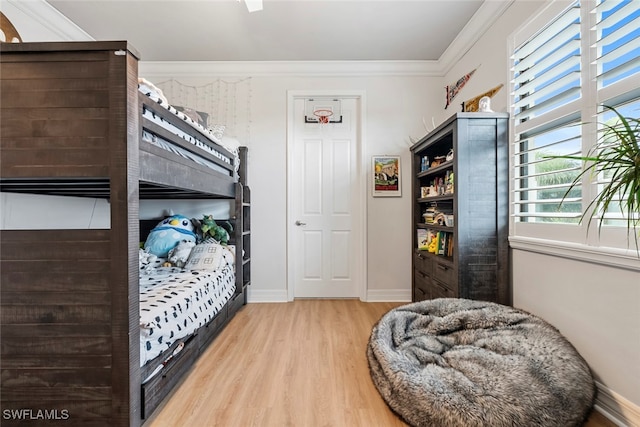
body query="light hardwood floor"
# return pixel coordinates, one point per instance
(299, 364)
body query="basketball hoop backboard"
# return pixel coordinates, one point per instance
(322, 110)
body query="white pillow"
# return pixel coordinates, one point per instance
(205, 256)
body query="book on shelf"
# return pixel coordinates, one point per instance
(435, 242)
(423, 239)
(444, 245)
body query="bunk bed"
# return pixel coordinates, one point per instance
(74, 123)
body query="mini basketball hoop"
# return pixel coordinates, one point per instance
(322, 111)
(323, 115)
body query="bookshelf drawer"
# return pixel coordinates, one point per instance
(420, 294)
(422, 284)
(423, 263)
(438, 290)
(446, 274)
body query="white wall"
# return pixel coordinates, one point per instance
(596, 307)
(395, 105)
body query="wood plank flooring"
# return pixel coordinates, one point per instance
(299, 364)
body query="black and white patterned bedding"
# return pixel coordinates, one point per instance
(175, 302)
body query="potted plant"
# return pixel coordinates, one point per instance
(616, 155)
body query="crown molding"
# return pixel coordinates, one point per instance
(290, 68)
(48, 17)
(478, 25)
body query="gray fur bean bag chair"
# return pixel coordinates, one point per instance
(456, 362)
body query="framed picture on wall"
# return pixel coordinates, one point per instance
(386, 176)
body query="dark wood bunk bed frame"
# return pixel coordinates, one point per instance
(71, 125)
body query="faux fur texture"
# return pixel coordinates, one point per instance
(456, 362)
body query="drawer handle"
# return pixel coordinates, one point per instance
(443, 267)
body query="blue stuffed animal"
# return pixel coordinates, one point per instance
(168, 233)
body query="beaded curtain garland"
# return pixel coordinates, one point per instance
(228, 103)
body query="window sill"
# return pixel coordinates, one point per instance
(610, 257)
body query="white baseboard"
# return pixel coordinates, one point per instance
(279, 295)
(388, 295)
(616, 408)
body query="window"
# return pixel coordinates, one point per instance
(566, 63)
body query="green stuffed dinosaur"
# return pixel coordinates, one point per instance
(210, 228)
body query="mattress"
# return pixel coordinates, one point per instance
(175, 302)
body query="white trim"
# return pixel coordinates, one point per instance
(389, 295)
(484, 18)
(291, 68)
(50, 18)
(610, 257)
(362, 184)
(616, 408)
(258, 296)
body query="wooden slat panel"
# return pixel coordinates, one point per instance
(80, 297)
(49, 330)
(51, 275)
(57, 344)
(55, 323)
(65, 394)
(52, 85)
(52, 377)
(55, 81)
(77, 163)
(34, 99)
(52, 67)
(72, 128)
(59, 361)
(57, 250)
(160, 166)
(87, 314)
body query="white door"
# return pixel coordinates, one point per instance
(324, 260)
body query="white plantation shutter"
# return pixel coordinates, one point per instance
(571, 59)
(547, 76)
(617, 40)
(547, 67)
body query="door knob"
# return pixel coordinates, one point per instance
(298, 223)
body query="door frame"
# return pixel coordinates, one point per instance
(361, 168)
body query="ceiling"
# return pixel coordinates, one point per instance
(284, 30)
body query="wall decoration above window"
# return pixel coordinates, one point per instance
(453, 89)
(473, 104)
